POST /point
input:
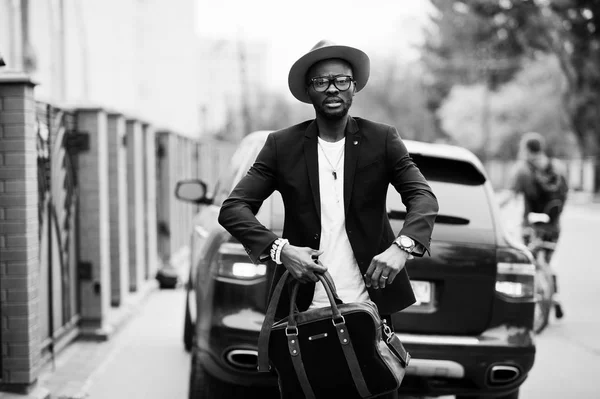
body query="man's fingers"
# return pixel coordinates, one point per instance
(376, 278)
(392, 276)
(368, 274)
(317, 252)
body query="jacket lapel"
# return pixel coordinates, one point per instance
(353, 139)
(312, 163)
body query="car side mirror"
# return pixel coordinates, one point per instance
(193, 190)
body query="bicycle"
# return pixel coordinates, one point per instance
(540, 237)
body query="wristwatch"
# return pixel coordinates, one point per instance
(405, 243)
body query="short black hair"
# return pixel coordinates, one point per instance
(534, 145)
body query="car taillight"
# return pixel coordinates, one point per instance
(235, 265)
(515, 279)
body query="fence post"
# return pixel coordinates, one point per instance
(119, 233)
(150, 201)
(164, 196)
(135, 200)
(20, 339)
(94, 227)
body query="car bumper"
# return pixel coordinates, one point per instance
(495, 362)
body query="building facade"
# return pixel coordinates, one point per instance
(98, 119)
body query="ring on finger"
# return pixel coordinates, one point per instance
(385, 277)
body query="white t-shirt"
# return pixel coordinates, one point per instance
(338, 256)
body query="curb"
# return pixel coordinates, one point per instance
(37, 393)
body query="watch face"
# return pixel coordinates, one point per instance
(406, 242)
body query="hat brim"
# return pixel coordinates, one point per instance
(361, 68)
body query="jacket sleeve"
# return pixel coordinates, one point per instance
(238, 212)
(420, 201)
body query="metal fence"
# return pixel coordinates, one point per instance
(57, 212)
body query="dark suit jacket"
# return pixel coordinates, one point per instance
(375, 156)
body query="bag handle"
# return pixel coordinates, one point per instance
(265, 331)
(327, 282)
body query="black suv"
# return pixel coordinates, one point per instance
(469, 334)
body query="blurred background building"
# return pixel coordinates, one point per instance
(99, 116)
(135, 56)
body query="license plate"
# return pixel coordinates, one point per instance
(422, 290)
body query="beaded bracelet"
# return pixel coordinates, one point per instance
(276, 249)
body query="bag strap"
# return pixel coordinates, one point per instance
(396, 346)
(265, 331)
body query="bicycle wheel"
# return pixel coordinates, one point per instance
(543, 298)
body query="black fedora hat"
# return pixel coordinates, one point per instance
(323, 50)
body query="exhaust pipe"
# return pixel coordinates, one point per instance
(246, 359)
(504, 374)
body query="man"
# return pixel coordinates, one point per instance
(541, 182)
(333, 174)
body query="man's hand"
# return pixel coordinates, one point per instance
(385, 267)
(302, 262)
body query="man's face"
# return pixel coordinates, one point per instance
(537, 159)
(332, 103)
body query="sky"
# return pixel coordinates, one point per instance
(378, 27)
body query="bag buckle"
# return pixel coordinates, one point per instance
(389, 335)
(337, 324)
(288, 334)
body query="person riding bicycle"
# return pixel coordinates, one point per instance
(541, 180)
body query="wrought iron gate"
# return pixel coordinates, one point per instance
(57, 188)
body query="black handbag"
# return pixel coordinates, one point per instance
(344, 350)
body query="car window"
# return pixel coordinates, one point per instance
(240, 163)
(459, 188)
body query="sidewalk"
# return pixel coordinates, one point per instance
(72, 371)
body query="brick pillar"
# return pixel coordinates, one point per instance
(94, 227)
(135, 200)
(119, 233)
(20, 341)
(150, 205)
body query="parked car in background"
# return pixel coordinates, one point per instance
(469, 334)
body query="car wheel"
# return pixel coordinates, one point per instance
(203, 385)
(543, 302)
(188, 326)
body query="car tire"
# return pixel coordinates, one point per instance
(203, 385)
(188, 326)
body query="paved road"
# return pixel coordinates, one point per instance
(149, 362)
(568, 352)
